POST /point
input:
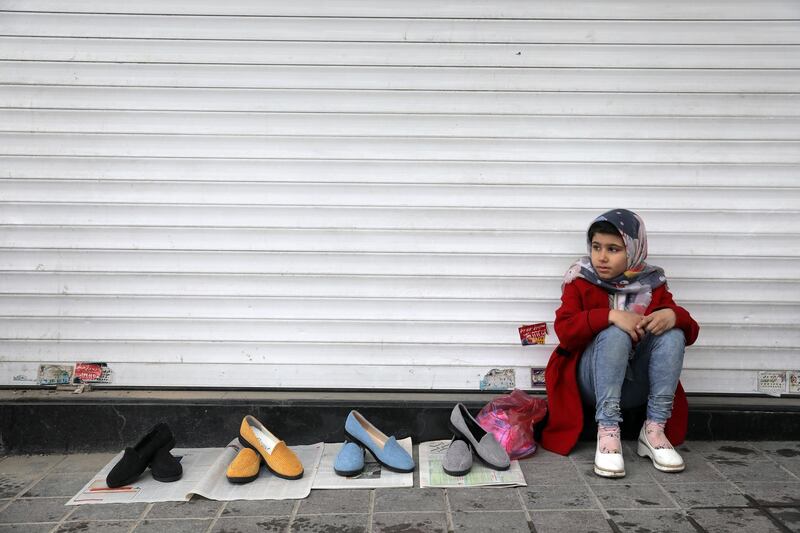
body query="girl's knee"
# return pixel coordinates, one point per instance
(616, 336)
(613, 343)
(674, 338)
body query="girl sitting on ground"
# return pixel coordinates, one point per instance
(621, 345)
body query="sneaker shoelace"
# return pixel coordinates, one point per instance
(654, 432)
(608, 439)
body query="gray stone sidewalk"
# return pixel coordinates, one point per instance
(727, 486)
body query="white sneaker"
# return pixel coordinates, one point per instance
(609, 464)
(664, 459)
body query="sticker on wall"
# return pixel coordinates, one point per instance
(91, 373)
(793, 382)
(537, 377)
(54, 374)
(533, 333)
(772, 383)
(499, 379)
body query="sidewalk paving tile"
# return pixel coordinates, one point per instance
(552, 473)
(637, 470)
(559, 497)
(409, 499)
(194, 508)
(726, 520)
(698, 470)
(484, 499)
(84, 462)
(727, 450)
(34, 510)
(12, 484)
(115, 526)
(570, 522)
(351, 523)
(772, 493)
(483, 522)
(35, 465)
(185, 525)
(583, 452)
(754, 471)
(779, 448)
(109, 511)
(690, 495)
(652, 522)
(251, 524)
(409, 522)
(633, 497)
(258, 508)
(789, 517)
(335, 501)
(59, 484)
(27, 528)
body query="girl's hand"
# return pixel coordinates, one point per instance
(659, 321)
(628, 322)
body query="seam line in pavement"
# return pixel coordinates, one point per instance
(528, 517)
(216, 517)
(142, 516)
(772, 518)
(448, 512)
(371, 510)
(64, 518)
(293, 515)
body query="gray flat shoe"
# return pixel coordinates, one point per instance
(488, 450)
(458, 459)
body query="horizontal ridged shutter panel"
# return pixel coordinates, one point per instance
(378, 194)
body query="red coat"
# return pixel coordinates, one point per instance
(582, 315)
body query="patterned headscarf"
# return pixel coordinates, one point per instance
(633, 289)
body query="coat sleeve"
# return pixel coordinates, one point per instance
(574, 325)
(662, 299)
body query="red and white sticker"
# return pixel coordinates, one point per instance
(87, 372)
(533, 333)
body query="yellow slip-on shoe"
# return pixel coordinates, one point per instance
(280, 460)
(244, 467)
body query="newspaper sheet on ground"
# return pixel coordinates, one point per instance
(431, 473)
(373, 476)
(204, 475)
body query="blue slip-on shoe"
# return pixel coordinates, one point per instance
(349, 460)
(386, 450)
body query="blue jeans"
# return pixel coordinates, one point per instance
(609, 380)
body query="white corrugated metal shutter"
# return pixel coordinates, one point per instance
(377, 194)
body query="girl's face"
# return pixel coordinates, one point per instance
(609, 257)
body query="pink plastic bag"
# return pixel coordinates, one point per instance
(510, 418)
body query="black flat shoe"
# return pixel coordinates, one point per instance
(135, 460)
(165, 467)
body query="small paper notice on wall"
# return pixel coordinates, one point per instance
(794, 381)
(499, 379)
(54, 374)
(772, 383)
(533, 333)
(537, 377)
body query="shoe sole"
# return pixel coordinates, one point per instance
(607, 473)
(456, 472)
(166, 479)
(384, 465)
(348, 473)
(642, 450)
(475, 451)
(244, 442)
(242, 480)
